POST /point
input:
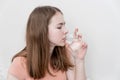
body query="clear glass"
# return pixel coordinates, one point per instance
(69, 38)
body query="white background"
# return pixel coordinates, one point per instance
(97, 20)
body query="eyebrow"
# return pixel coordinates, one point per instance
(62, 23)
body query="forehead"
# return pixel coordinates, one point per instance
(57, 18)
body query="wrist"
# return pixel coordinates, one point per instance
(77, 60)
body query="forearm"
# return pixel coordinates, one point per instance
(80, 70)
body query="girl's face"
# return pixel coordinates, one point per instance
(57, 30)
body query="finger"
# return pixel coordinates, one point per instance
(75, 33)
(79, 36)
(82, 42)
(84, 45)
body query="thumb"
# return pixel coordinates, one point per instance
(66, 44)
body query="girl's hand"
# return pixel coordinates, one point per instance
(78, 46)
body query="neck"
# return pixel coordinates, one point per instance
(51, 48)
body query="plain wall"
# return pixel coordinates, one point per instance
(97, 20)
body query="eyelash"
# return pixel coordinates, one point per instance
(59, 27)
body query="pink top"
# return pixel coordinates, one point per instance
(18, 70)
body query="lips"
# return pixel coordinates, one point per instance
(64, 38)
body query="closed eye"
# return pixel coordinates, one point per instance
(60, 27)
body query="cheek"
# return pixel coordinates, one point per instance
(55, 36)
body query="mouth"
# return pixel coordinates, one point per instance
(64, 39)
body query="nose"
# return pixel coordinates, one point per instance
(65, 30)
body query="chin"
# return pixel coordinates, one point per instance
(63, 44)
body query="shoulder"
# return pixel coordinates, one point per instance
(19, 59)
(18, 67)
(19, 62)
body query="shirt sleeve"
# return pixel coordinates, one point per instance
(18, 68)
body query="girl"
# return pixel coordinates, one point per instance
(47, 55)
